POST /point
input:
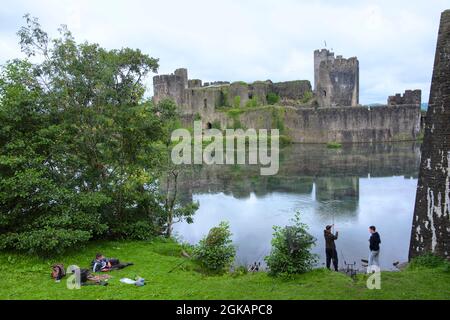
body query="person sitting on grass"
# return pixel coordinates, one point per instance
(103, 264)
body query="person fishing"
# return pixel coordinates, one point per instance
(374, 246)
(330, 247)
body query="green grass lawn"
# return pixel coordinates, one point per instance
(28, 277)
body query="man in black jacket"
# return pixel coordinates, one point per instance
(374, 246)
(330, 247)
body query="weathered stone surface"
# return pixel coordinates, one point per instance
(292, 90)
(323, 125)
(177, 87)
(336, 79)
(239, 89)
(409, 97)
(171, 85)
(431, 222)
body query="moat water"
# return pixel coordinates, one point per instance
(354, 187)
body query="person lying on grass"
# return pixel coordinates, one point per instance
(103, 264)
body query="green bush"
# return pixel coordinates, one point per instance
(237, 102)
(428, 261)
(291, 247)
(307, 96)
(252, 103)
(285, 140)
(44, 241)
(215, 252)
(139, 230)
(334, 145)
(273, 98)
(216, 125)
(224, 97)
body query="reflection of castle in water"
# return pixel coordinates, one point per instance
(332, 174)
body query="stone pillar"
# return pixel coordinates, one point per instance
(431, 221)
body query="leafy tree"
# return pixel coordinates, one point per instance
(171, 208)
(81, 149)
(291, 249)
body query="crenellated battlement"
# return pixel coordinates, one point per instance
(336, 79)
(413, 97)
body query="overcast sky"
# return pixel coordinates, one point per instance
(253, 40)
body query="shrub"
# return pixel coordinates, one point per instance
(224, 97)
(285, 140)
(138, 230)
(215, 252)
(237, 102)
(291, 247)
(307, 96)
(429, 261)
(216, 125)
(273, 98)
(334, 145)
(44, 241)
(251, 103)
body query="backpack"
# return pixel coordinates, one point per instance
(58, 271)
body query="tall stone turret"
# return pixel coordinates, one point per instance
(171, 86)
(431, 221)
(336, 80)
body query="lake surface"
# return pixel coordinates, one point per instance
(354, 187)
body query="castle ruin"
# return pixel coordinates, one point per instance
(330, 113)
(194, 97)
(336, 83)
(336, 80)
(409, 97)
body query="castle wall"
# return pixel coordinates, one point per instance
(409, 97)
(431, 222)
(202, 101)
(178, 87)
(337, 124)
(239, 89)
(292, 90)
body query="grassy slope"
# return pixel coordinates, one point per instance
(24, 277)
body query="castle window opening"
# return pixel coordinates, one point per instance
(209, 126)
(250, 95)
(205, 103)
(324, 93)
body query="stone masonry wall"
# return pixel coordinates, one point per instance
(193, 96)
(431, 222)
(323, 125)
(409, 97)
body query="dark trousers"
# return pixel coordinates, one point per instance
(332, 254)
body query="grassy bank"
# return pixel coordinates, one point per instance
(25, 277)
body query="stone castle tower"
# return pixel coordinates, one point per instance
(171, 85)
(431, 221)
(336, 80)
